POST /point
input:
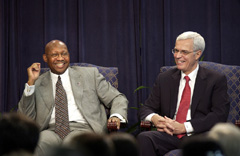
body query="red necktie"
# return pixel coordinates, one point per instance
(184, 104)
(61, 111)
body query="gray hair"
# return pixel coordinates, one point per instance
(198, 40)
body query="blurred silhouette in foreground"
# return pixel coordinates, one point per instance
(201, 146)
(92, 144)
(18, 135)
(228, 136)
(125, 144)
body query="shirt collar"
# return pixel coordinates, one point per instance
(55, 76)
(192, 75)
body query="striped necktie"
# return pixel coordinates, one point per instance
(61, 111)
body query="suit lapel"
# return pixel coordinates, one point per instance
(46, 91)
(77, 86)
(199, 89)
(174, 92)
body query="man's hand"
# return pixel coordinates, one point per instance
(159, 122)
(115, 119)
(174, 126)
(33, 73)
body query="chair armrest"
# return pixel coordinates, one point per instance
(146, 125)
(237, 123)
(112, 126)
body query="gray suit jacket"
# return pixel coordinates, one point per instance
(90, 89)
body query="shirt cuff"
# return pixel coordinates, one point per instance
(29, 90)
(189, 128)
(149, 117)
(122, 120)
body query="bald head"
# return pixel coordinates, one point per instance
(57, 56)
(53, 44)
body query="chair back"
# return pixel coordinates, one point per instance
(232, 74)
(110, 73)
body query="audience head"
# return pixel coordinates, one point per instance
(201, 146)
(64, 151)
(228, 136)
(57, 56)
(18, 134)
(125, 144)
(92, 144)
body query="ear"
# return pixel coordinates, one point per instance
(198, 54)
(44, 57)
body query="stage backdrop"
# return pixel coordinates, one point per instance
(134, 35)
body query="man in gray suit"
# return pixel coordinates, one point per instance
(85, 88)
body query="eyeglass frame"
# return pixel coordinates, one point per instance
(56, 55)
(182, 52)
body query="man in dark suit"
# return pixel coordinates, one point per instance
(85, 90)
(205, 102)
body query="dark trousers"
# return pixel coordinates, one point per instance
(155, 143)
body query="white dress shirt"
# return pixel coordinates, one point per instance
(73, 112)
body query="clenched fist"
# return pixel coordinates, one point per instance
(33, 73)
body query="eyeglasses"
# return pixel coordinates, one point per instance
(56, 55)
(183, 52)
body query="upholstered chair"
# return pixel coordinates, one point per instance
(232, 74)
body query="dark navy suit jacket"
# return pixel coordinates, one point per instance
(210, 101)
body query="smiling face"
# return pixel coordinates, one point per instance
(186, 63)
(57, 57)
